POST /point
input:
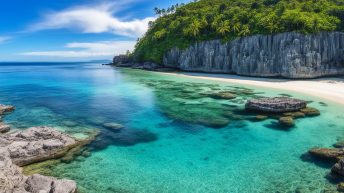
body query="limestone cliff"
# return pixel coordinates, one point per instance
(289, 55)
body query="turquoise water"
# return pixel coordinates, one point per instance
(168, 145)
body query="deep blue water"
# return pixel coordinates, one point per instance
(169, 143)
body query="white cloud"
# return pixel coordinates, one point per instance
(88, 50)
(93, 19)
(4, 39)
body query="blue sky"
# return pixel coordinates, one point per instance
(72, 30)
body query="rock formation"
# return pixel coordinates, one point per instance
(30, 146)
(6, 109)
(33, 145)
(331, 154)
(13, 181)
(289, 55)
(36, 144)
(275, 105)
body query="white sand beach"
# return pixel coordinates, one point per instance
(328, 88)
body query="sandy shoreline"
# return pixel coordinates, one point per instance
(331, 89)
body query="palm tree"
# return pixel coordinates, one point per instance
(223, 27)
(193, 29)
(196, 27)
(236, 27)
(245, 30)
(156, 10)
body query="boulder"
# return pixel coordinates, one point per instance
(329, 154)
(13, 181)
(37, 144)
(4, 128)
(286, 121)
(38, 183)
(340, 187)
(295, 115)
(275, 105)
(338, 168)
(6, 109)
(339, 144)
(311, 112)
(113, 126)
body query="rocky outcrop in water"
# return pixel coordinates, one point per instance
(121, 59)
(6, 109)
(275, 105)
(36, 144)
(289, 55)
(13, 181)
(30, 146)
(285, 109)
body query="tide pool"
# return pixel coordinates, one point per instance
(170, 142)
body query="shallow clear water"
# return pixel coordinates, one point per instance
(168, 144)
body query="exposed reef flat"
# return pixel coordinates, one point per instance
(33, 145)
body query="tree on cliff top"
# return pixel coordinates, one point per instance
(181, 25)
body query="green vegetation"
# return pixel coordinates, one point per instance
(182, 25)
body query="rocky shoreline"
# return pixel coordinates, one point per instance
(33, 145)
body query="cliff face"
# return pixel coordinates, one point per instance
(290, 55)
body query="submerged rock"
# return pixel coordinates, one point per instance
(70, 123)
(340, 187)
(338, 168)
(309, 111)
(339, 144)
(113, 126)
(39, 183)
(275, 105)
(329, 154)
(216, 123)
(286, 121)
(221, 95)
(261, 117)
